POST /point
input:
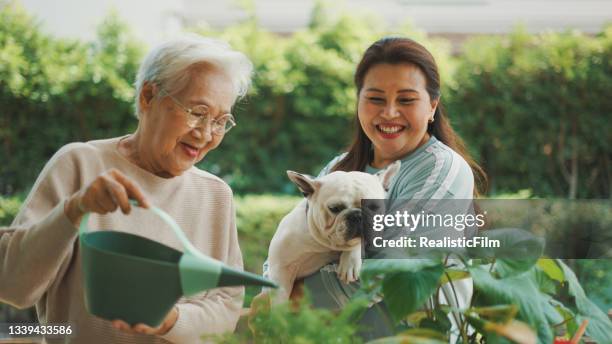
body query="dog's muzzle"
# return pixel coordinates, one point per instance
(353, 223)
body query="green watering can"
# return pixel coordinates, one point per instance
(139, 280)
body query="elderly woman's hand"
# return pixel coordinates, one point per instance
(105, 194)
(162, 329)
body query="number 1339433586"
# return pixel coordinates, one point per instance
(14, 330)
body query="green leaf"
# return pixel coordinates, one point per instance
(553, 316)
(374, 267)
(520, 290)
(498, 313)
(515, 330)
(441, 324)
(453, 275)
(545, 283)
(551, 269)
(600, 327)
(404, 292)
(414, 336)
(567, 316)
(519, 250)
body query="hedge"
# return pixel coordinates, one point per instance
(533, 108)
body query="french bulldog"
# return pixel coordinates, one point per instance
(324, 226)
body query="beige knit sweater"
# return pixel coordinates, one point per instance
(40, 262)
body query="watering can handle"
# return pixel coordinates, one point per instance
(167, 219)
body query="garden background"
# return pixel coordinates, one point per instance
(534, 110)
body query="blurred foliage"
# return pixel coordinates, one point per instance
(257, 219)
(9, 207)
(297, 116)
(259, 215)
(54, 91)
(534, 110)
(299, 113)
(296, 323)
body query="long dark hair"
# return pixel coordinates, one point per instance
(398, 50)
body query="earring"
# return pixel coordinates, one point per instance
(431, 119)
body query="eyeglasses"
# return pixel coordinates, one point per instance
(200, 115)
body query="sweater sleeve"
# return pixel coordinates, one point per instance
(31, 256)
(215, 311)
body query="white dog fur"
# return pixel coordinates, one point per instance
(324, 226)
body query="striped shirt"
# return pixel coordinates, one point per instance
(432, 172)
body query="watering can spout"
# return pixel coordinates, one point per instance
(199, 272)
(232, 277)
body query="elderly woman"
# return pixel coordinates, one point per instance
(185, 90)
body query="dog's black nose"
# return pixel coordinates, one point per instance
(353, 222)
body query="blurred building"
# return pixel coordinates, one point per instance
(154, 20)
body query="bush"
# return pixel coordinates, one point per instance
(297, 116)
(257, 219)
(55, 91)
(297, 323)
(9, 207)
(550, 88)
(533, 109)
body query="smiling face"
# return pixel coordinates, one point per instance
(394, 110)
(166, 145)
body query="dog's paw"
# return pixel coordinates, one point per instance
(349, 267)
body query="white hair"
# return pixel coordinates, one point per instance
(168, 64)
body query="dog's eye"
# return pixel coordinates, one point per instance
(374, 207)
(336, 208)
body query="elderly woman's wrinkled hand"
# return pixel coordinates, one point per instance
(162, 329)
(109, 191)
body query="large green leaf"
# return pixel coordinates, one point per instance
(374, 267)
(543, 281)
(519, 250)
(498, 313)
(567, 316)
(441, 323)
(520, 290)
(453, 275)
(550, 267)
(496, 332)
(553, 315)
(406, 291)
(600, 327)
(406, 283)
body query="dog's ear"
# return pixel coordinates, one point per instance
(307, 184)
(386, 176)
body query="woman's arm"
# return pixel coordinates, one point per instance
(31, 257)
(38, 251)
